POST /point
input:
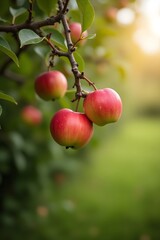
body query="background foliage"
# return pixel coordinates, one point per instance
(110, 188)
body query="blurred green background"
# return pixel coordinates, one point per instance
(109, 190)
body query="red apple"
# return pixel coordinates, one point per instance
(31, 115)
(76, 33)
(103, 106)
(71, 129)
(51, 85)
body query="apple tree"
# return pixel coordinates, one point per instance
(46, 91)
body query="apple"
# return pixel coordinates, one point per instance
(103, 106)
(110, 14)
(31, 115)
(71, 129)
(51, 85)
(76, 33)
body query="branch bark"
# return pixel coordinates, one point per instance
(30, 25)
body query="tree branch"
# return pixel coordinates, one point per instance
(30, 25)
(65, 8)
(71, 49)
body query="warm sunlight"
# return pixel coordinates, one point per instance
(125, 16)
(147, 34)
(147, 22)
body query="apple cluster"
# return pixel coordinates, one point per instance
(74, 129)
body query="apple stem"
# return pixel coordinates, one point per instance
(89, 82)
(77, 105)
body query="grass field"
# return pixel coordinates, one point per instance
(117, 197)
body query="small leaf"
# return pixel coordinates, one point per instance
(5, 48)
(47, 6)
(90, 36)
(7, 97)
(17, 12)
(80, 61)
(27, 37)
(87, 12)
(20, 160)
(3, 20)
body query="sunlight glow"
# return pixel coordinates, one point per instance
(147, 35)
(125, 16)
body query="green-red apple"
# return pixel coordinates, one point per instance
(76, 33)
(51, 85)
(71, 129)
(103, 106)
(31, 115)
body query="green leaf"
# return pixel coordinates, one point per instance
(20, 160)
(80, 61)
(3, 20)
(5, 48)
(27, 37)
(16, 12)
(47, 6)
(87, 12)
(7, 97)
(75, 15)
(90, 36)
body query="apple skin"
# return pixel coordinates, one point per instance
(71, 129)
(51, 85)
(103, 106)
(31, 115)
(76, 33)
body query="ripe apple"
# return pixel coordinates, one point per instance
(77, 34)
(103, 106)
(71, 129)
(51, 85)
(31, 115)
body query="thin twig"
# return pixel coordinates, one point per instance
(30, 10)
(89, 82)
